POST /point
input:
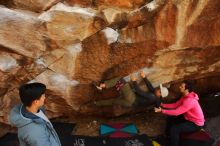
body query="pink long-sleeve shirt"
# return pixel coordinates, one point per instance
(188, 106)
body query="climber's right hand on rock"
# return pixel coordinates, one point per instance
(133, 78)
(142, 74)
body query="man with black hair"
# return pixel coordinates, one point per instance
(34, 128)
(185, 115)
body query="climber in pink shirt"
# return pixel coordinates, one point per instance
(185, 115)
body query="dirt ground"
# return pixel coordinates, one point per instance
(147, 122)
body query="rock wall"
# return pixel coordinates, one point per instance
(68, 44)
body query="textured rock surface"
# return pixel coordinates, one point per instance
(127, 4)
(69, 44)
(36, 5)
(22, 32)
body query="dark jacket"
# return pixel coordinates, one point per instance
(144, 97)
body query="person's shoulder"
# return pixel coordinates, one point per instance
(189, 98)
(17, 107)
(33, 128)
(192, 95)
(15, 110)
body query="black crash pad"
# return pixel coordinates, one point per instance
(139, 140)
